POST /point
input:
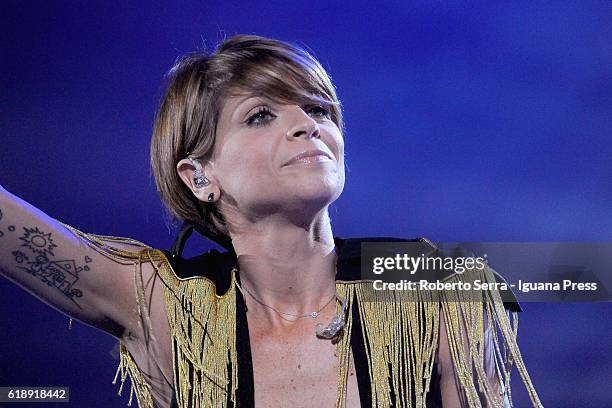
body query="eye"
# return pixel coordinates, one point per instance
(259, 118)
(319, 111)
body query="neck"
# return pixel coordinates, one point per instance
(287, 267)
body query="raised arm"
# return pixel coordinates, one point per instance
(78, 274)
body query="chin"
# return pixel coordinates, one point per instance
(329, 186)
(318, 197)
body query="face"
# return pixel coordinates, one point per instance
(254, 158)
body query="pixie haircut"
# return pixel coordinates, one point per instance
(197, 86)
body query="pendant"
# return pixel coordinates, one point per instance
(314, 315)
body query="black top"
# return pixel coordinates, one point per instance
(217, 267)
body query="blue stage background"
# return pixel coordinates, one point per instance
(465, 122)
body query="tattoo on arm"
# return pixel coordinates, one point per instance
(35, 256)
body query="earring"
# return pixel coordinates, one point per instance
(211, 196)
(199, 179)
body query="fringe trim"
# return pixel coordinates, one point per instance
(400, 329)
(139, 387)
(100, 243)
(464, 313)
(203, 327)
(103, 244)
(343, 347)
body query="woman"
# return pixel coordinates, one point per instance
(248, 149)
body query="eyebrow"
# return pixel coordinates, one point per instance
(243, 100)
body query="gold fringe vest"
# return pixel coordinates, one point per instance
(398, 331)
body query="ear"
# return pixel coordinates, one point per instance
(185, 170)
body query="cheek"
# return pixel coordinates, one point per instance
(336, 143)
(244, 168)
(341, 150)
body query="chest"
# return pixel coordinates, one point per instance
(294, 373)
(286, 372)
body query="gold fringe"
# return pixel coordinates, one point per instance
(343, 350)
(464, 313)
(203, 328)
(103, 244)
(128, 368)
(143, 309)
(398, 328)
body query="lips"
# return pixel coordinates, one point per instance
(307, 153)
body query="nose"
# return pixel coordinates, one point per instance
(303, 125)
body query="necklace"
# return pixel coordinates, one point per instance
(330, 331)
(314, 314)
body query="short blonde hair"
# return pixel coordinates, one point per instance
(197, 86)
